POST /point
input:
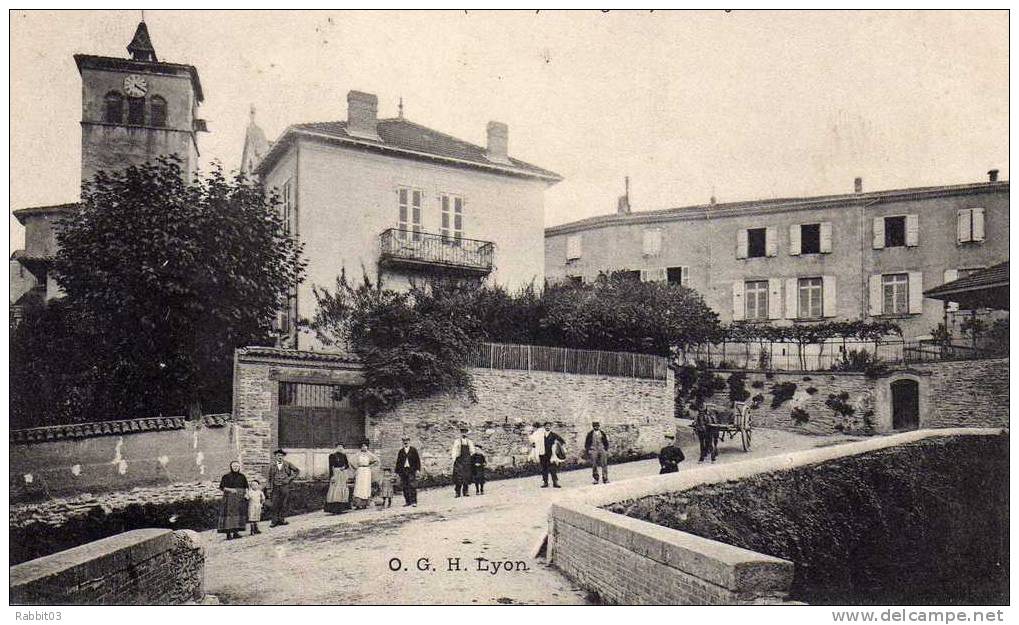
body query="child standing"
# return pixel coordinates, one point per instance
(478, 470)
(255, 498)
(386, 488)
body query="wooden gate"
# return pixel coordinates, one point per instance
(318, 416)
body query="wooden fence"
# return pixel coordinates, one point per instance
(566, 360)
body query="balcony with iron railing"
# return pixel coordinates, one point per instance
(417, 250)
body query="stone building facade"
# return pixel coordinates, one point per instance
(797, 260)
(402, 201)
(132, 111)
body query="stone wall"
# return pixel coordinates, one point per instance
(629, 562)
(971, 393)
(140, 567)
(965, 393)
(94, 458)
(635, 414)
(812, 391)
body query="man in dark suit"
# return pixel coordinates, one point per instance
(548, 464)
(408, 463)
(596, 445)
(281, 474)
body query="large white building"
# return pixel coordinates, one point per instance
(402, 201)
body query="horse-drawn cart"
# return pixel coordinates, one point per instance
(737, 423)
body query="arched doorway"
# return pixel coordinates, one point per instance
(905, 404)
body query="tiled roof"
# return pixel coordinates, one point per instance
(294, 354)
(406, 137)
(989, 278)
(774, 205)
(110, 428)
(21, 213)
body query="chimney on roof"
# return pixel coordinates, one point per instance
(992, 175)
(498, 142)
(623, 206)
(858, 185)
(362, 115)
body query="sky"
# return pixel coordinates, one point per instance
(740, 105)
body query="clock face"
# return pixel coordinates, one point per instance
(135, 86)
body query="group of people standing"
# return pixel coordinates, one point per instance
(351, 478)
(241, 506)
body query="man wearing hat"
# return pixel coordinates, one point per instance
(596, 446)
(461, 452)
(281, 474)
(670, 456)
(408, 463)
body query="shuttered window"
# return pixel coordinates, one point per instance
(757, 242)
(679, 275)
(895, 293)
(652, 243)
(810, 297)
(756, 298)
(409, 224)
(452, 226)
(970, 225)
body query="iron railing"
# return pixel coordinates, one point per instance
(418, 249)
(566, 360)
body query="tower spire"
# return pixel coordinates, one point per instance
(141, 45)
(400, 108)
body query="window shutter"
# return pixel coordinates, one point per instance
(738, 311)
(912, 230)
(770, 241)
(826, 237)
(915, 292)
(794, 240)
(879, 234)
(828, 296)
(684, 276)
(962, 226)
(951, 274)
(792, 293)
(741, 243)
(877, 302)
(978, 224)
(774, 298)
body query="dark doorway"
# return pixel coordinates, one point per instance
(318, 416)
(905, 405)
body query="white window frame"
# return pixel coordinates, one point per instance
(755, 300)
(810, 296)
(452, 214)
(895, 289)
(408, 216)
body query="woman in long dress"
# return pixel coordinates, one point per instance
(363, 476)
(338, 495)
(233, 510)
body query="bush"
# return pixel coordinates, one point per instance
(738, 387)
(781, 393)
(800, 416)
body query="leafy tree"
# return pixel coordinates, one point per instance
(173, 275)
(52, 374)
(412, 343)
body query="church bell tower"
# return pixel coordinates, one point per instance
(136, 109)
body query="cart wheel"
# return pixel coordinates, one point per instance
(746, 440)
